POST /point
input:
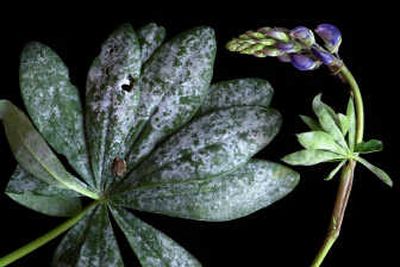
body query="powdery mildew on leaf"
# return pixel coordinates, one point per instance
(173, 86)
(239, 92)
(152, 247)
(251, 187)
(53, 104)
(112, 97)
(151, 37)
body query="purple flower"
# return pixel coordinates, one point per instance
(288, 47)
(304, 62)
(323, 55)
(304, 35)
(331, 36)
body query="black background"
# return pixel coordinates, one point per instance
(289, 232)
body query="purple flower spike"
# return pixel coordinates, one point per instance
(304, 62)
(323, 55)
(331, 36)
(304, 35)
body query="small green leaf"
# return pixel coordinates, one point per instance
(150, 37)
(382, 175)
(335, 171)
(37, 195)
(239, 92)
(321, 141)
(33, 153)
(174, 84)
(91, 242)
(344, 123)
(351, 115)
(112, 98)
(211, 145)
(249, 188)
(152, 247)
(311, 123)
(311, 157)
(328, 121)
(369, 146)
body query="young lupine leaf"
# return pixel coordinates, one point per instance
(351, 115)
(344, 123)
(311, 123)
(33, 153)
(112, 98)
(150, 37)
(152, 247)
(311, 157)
(239, 92)
(335, 170)
(327, 120)
(381, 174)
(320, 140)
(173, 86)
(249, 188)
(212, 145)
(54, 106)
(37, 195)
(369, 146)
(91, 242)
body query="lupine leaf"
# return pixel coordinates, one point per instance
(173, 85)
(150, 37)
(369, 146)
(335, 171)
(351, 115)
(33, 153)
(311, 157)
(327, 120)
(54, 106)
(311, 123)
(381, 174)
(211, 145)
(344, 123)
(112, 98)
(320, 140)
(89, 243)
(37, 195)
(152, 247)
(251, 187)
(239, 92)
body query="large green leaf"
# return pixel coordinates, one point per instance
(150, 37)
(212, 145)
(33, 153)
(173, 86)
(37, 195)
(311, 123)
(309, 157)
(112, 98)
(239, 92)
(54, 105)
(320, 140)
(369, 146)
(152, 247)
(91, 242)
(253, 186)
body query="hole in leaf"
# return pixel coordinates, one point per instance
(118, 167)
(129, 86)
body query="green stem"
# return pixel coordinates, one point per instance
(346, 179)
(40, 241)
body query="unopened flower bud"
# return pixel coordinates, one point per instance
(279, 34)
(331, 36)
(304, 62)
(289, 47)
(323, 55)
(284, 58)
(304, 35)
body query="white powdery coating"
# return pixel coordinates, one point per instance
(239, 92)
(214, 144)
(54, 104)
(248, 189)
(150, 36)
(112, 98)
(173, 87)
(152, 247)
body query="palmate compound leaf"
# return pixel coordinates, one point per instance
(54, 106)
(40, 196)
(249, 188)
(152, 247)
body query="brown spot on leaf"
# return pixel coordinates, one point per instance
(118, 167)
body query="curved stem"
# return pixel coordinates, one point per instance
(40, 241)
(346, 179)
